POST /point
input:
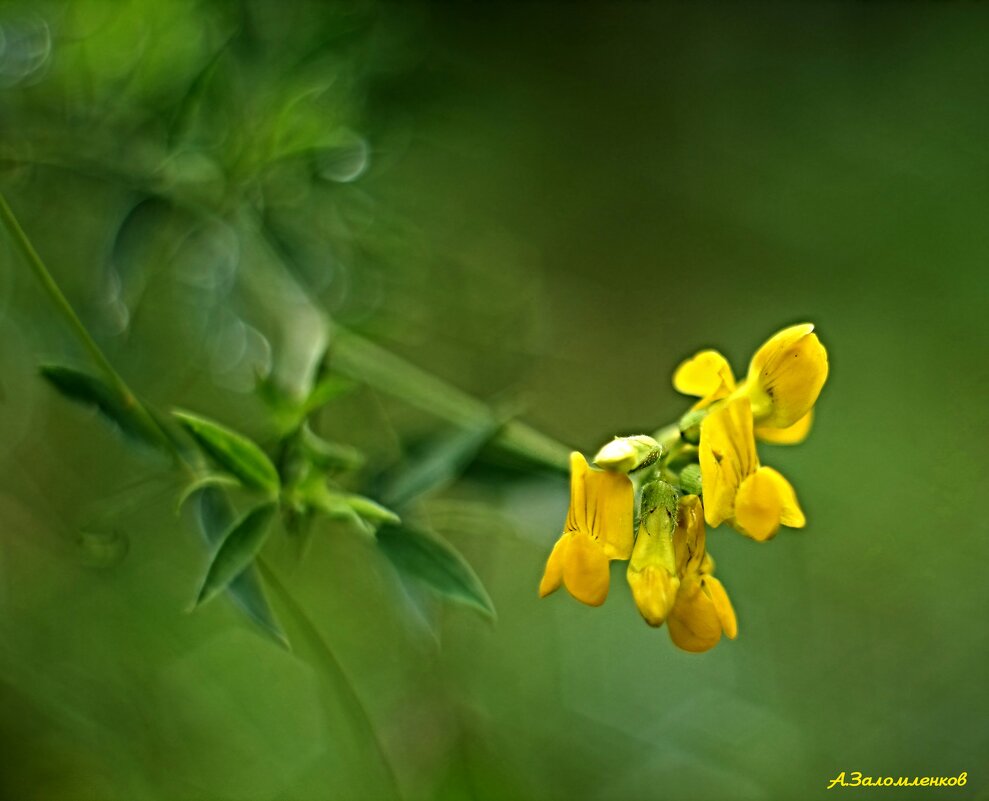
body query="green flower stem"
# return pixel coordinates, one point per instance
(381, 369)
(320, 651)
(62, 305)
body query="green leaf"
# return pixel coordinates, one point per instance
(216, 515)
(440, 464)
(372, 510)
(424, 555)
(232, 451)
(92, 391)
(328, 388)
(329, 455)
(240, 545)
(338, 505)
(209, 480)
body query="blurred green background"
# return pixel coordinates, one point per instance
(549, 204)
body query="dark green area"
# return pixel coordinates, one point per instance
(548, 206)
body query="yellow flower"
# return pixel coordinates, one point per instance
(756, 499)
(702, 611)
(785, 377)
(652, 573)
(705, 375)
(598, 529)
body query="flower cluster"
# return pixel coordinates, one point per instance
(647, 498)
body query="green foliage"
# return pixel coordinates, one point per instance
(215, 517)
(238, 548)
(326, 455)
(89, 390)
(232, 451)
(425, 556)
(440, 463)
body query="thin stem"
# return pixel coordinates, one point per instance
(58, 298)
(320, 651)
(62, 305)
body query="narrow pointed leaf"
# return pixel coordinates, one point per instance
(210, 480)
(216, 515)
(240, 545)
(440, 464)
(326, 389)
(89, 390)
(234, 452)
(372, 510)
(329, 455)
(424, 555)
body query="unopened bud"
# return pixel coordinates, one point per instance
(625, 454)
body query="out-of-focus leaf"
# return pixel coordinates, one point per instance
(232, 451)
(216, 515)
(372, 510)
(364, 361)
(92, 391)
(316, 495)
(424, 555)
(329, 455)
(240, 545)
(440, 464)
(289, 412)
(326, 389)
(210, 480)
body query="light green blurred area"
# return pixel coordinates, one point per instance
(560, 203)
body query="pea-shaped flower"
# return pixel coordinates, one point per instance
(702, 611)
(784, 380)
(756, 499)
(598, 529)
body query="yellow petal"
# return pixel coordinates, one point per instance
(688, 539)
(585, 570)
(553, 575)
(577, 514)
(706, 375)
(758, 506)
(693, 623)
(764, 502)
(791, 515)
(727, 456)
(722, 605)
(786, 375)
(654, 591)
(610, 500)
(787, 436)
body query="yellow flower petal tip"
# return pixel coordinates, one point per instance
(654, 591)
(706, 375)
(585, 571)
(766, 500)
(553, 575)
(792, 435)
(786, 376)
